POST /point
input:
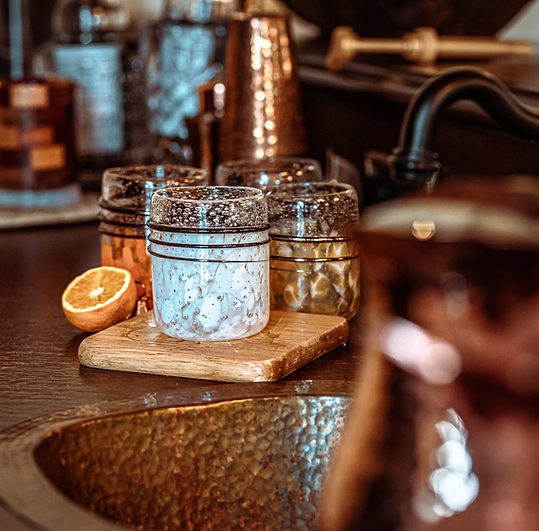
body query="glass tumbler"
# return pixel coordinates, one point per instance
(125, 210)
(264, 173)
(314, 255)
(210, 262)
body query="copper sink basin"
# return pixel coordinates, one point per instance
(232, 457)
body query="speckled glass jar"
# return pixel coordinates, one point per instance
(314, 255)
(210, 262)
(125, 211)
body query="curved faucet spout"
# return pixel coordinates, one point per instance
(415, 161)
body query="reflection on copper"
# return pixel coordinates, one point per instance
(451, 485)
(412, 348)
(423, 230)
(523, 374)
(454, 482)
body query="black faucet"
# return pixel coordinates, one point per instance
(414, 163)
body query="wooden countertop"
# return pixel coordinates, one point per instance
(39, 369)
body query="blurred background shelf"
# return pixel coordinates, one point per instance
(16, 219)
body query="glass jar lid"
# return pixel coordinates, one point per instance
(264, 173)
(209, 208)
(129, 189)
(313, 210)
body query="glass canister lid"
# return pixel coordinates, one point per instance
(313, 209)
(210, 208)
(129, 189)
(264, 173)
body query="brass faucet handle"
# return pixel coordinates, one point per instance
(346, 44)
(342, 47)
(423, 46)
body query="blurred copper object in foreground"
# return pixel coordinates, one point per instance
(423, 46)
(443, 430)
(263, 115)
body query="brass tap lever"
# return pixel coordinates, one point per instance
(423, 46)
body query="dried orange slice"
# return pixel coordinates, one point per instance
(99, 298)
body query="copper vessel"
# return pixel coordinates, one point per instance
(263, 116)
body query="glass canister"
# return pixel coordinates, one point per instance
(210, 262)
(268, 172)
(125, 210)
(314, 256)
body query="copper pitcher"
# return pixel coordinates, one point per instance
(263, 116)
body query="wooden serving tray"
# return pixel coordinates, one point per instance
(289, 341)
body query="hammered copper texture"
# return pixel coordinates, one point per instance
(241, 464)
(263, 116)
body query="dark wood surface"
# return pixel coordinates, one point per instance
(39, 369)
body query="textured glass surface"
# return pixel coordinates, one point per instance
(312, 209)
(263, 173)
(323, 286)
(131, 188)
(212, 294)
(129, 252)
(125, 202)
(209, 207)
(315, 266)
(214, 285)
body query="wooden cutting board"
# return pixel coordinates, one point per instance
(289, 341)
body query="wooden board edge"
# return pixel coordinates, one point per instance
(251, 372)
(335, 337)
